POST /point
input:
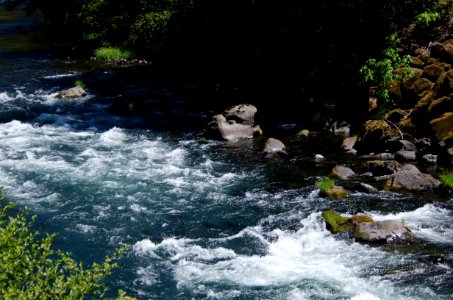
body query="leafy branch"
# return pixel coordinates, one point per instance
(381, 74)
(31, 269)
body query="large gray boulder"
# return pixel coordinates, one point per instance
(242, 113)
(237, 122)
(410, 178)
(230, 130)
(389, 231)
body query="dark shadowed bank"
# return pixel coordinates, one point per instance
(295, 59)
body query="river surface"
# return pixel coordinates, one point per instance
(212, 220)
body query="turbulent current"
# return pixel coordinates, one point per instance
(211, 220)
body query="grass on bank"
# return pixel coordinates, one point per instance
(112, 53)
(447, 179)
(325, 184)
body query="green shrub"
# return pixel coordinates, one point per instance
(426, 19)
(112, 53)
(447, 179)
(381, 74)
(31, 269)
(325, 184)
(80, 83)
(434, 11)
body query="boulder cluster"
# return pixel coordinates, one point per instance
(425, 117)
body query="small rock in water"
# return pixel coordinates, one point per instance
(274, 146)
(74, 92)
(303, 132)
(319, 158)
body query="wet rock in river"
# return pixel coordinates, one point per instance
(335, 192)
(342, 172)
(336, 223)
(389, 231)
(274, 146)
(410, 178)
(237, 122)
(382, 167)
(74, 92)
(348, 144)
(242, 113)
(230, 130)
(374, 137)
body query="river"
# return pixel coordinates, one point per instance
(211, 220)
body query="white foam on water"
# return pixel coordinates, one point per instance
(222, 295)
(176, 156)
(365, 296)
(147, 276)
(84, 228)
(308, 263)
(144, 247)
(63, 75)
(137, 208)
(113, 137)
(37, 96)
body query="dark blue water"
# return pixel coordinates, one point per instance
(214, 220)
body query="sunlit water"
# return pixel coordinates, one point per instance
(205, 220)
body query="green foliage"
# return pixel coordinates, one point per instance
(426, 19)
(149, 30)
(112, 53)
(323, 118)
(447, 179)
(325, 184)
(31, 269)
(382, 74)
(80, 83)
(434, 12)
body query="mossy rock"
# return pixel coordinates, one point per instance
(336, 192)
(336, 223)
(443, 126)
(356, 219)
